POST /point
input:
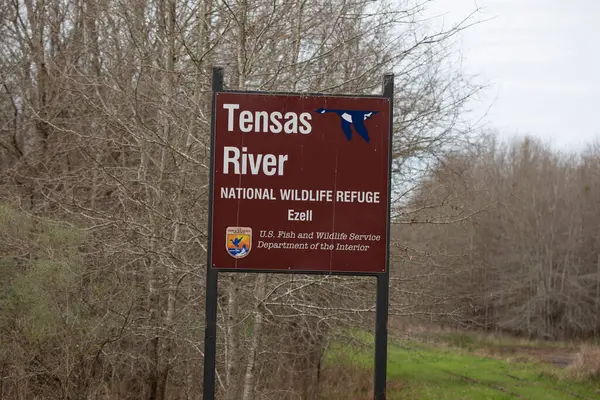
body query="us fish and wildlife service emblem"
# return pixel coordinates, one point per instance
(239, 241)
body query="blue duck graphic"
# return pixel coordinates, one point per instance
(237, 251)
(236, 241)
(352, 117)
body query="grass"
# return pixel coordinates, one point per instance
(423, 371)
(476, 340)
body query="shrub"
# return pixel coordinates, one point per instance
(587, 364)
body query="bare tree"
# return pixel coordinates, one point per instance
(104, 124)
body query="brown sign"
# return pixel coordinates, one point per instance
(300, 183)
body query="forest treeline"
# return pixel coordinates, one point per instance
(506, 237)
(104, 154)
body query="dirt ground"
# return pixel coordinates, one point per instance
(558, 356)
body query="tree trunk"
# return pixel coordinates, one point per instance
(250, 376)
(232, 353)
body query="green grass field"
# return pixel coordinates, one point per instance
(427, 371)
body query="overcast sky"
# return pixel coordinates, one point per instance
(542, 60)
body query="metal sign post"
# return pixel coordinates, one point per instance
(383, 280)
(299, 183)
(212, 276)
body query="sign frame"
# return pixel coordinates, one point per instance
(387, 198)
(382, 295)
